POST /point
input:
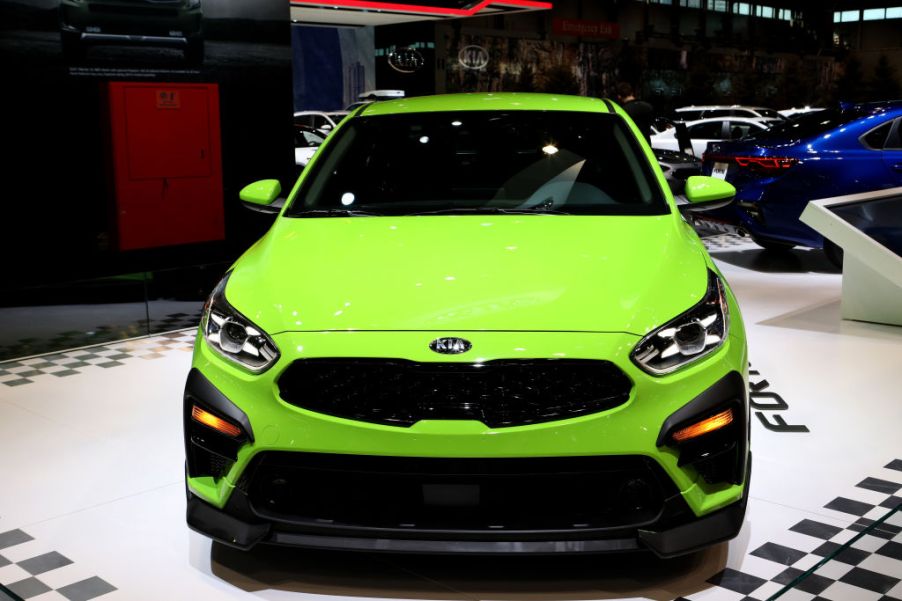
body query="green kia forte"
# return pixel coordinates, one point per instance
(479, 324)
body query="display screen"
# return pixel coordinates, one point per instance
(481, 161)
(879, 219)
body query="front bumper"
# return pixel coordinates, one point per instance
(222, 502)
(672, 541)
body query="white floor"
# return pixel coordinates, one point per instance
(92, 492)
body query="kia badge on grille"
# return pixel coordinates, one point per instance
(450, 346)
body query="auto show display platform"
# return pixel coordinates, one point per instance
(92, 498)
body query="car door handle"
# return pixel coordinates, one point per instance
(896, 167)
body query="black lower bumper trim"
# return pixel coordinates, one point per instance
(454, 547)
(714, 528)
(679, 540)
(222, 527)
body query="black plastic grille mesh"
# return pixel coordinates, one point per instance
(483, 494)
(497, 393)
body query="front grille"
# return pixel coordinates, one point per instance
(497, 393)
(460, 495)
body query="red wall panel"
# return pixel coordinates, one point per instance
(167, 163)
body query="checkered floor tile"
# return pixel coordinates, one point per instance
(70, 363)
(862, 561)
(718, 242)
(28, 570)
(175, 321)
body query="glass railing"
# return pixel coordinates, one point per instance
(885, 535)
(45, 319)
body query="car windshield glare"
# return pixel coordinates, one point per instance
(482, 161)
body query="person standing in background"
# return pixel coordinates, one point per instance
(641, 112)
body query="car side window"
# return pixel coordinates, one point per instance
(894, 140)
(707, 131)
(739, 129)
(876, 139)
(718, 113)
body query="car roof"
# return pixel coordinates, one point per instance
(708, 107)
(882, 105)
(504, 101)
(757, 120)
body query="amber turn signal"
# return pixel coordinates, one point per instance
(715, 422)
(211, 421)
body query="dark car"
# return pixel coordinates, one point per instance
(838, 151)
(677, 168)
(161, 23)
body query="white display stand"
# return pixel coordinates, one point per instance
(872, 273)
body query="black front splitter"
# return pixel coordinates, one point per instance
(702, 532)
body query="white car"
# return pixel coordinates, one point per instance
(307, 141)
(374, 95)
(694, 113)
(709, 130)
(321, 120)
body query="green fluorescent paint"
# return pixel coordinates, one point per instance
(515, 286)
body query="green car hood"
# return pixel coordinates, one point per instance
(470, 272)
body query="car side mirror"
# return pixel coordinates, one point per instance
(705, 193)
(263, 196)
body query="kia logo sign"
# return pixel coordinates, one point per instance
(473, 57)
(450, 346)
(406, 60)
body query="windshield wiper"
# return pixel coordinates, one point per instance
(492, 211)
(334, 213)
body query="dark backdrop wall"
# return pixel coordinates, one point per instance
(63, 270)
(332, 65)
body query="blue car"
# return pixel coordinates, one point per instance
(849, 149)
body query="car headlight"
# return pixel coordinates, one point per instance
(233, 335)
(685, 339)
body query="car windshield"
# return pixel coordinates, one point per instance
(807, 125)
(481, 161)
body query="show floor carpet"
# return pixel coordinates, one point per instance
(92, 497)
